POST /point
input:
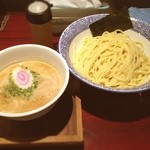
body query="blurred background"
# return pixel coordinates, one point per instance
(62, 17)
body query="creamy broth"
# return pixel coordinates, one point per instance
(48, 83)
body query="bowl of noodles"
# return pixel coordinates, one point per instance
(117, 61)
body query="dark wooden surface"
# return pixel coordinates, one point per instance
(110, 121)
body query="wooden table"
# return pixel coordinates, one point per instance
(110, 121)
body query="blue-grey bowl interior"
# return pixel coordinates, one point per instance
(82, 24)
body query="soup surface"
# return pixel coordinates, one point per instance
(27, 85)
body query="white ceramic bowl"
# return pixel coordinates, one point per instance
(73, 34)
(35, 52)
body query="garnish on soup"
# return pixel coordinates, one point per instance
(22, 82)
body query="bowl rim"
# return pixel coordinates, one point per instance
(52, 101)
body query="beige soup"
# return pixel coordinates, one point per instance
(43, 81)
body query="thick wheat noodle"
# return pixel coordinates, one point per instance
(113, 60)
